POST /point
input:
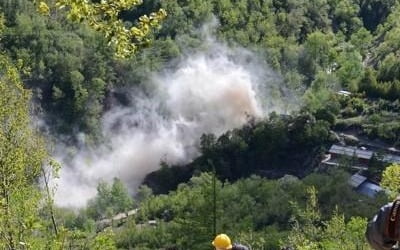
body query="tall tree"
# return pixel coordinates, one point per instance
(110, 199)
(22, 155)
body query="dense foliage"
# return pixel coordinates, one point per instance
(269, 148)
(22, 155)
(264, 214)
(317, 47)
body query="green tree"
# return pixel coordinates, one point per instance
(120, 197)
(391, 180)
(319, 54)
(312, 233)
(22, 156)
(320, 92)
(143, 193)
(109, 200)
(195, 221)
(104, 241)
(346, 16)
(376, 165)
(361, 39)
(350, 68)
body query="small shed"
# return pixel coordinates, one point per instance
(363, 186)
(369, 189)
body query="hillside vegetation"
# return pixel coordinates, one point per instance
(261, 183)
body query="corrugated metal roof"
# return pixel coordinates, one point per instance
(356, 180)
(361, 154)
(391, 158)
(351, 151)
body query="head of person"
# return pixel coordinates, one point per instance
(222, 242)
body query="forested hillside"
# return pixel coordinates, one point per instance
(203, 117)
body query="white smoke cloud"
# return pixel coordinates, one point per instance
(208, 92)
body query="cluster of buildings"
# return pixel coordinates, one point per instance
(359, 159)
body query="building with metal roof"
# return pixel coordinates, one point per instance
(351, 151)
(363, 186)
(391, 158)
(363, 154)
(369, 189)
(356, 180)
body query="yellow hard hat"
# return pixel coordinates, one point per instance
(222, 241)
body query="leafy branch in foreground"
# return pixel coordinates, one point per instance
(104, 17)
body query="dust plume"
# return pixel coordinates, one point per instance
(207, 92)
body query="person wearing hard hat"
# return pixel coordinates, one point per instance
(223, 242)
